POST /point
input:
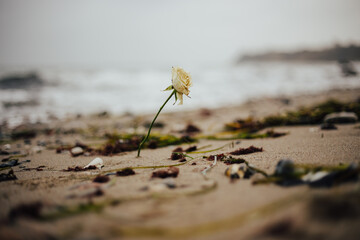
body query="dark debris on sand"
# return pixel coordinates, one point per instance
(190, 129)
(170, 172)
(28, 210)
(230, 161)
(7, 176)
(191, 149)
(177, 154)
(219, 157)
(243, 151)
(80, 169)
(101, 179)
(125, 172)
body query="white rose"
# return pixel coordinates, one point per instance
(181, 82)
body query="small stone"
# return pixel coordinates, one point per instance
(191, 149)
(341, 117)
(285, 167)
(170, 183)
(328, 126)
(236, 171)
(76, 151)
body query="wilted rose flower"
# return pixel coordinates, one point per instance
(181, 82)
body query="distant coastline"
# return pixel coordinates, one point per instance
(335, 53)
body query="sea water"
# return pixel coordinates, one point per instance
(118, 91)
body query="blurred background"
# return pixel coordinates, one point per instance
(67, 57)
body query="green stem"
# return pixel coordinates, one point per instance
(148, 134)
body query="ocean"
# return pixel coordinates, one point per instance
(74, 91)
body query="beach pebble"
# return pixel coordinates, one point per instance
(170, 183)
(236, 171)
(284, 167)
(341, 117)
(76, 151)
(97, 162)
(328, 126)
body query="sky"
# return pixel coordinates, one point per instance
(162, 33)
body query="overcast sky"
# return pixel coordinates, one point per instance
(162, 33)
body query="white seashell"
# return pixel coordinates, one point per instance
(97, 162)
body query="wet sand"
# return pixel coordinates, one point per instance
(199, 207)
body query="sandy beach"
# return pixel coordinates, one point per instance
(46, 202)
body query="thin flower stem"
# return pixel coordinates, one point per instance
(148, 134)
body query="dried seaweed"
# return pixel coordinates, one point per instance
(218, 156)
(191, 149)
(190, 129)
(249, 150)
(170, 172)
(230, 160)
(8, 164)
(80, 169)
(239, 135)
(246, 125)
(177, 154)
(101, 179)
(125, 172)
(129, 142)
(311, 115)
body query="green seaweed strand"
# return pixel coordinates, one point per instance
(148, 134)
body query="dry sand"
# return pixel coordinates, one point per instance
(200, 207)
